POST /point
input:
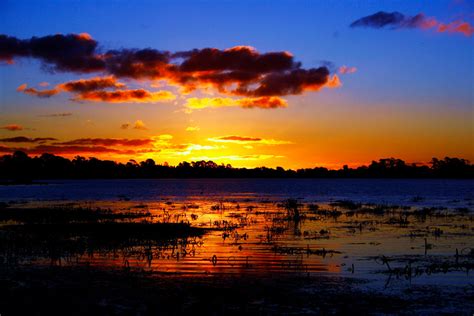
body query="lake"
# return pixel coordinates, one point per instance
(436, 192)
(391, 235)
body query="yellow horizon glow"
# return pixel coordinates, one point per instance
(302, 135)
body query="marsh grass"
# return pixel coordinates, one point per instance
(67, 214)
(69, 232)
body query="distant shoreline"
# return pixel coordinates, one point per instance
(19, 167)
(47, 181)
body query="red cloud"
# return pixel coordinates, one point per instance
(92, 84)
(240, 138)
(52, 149)
(455, 27)
(119, 146)
(12, 127)
(39, 93)
(120, 96)
(23, 139)
(240, 70)
(94, 89)
(68, 150)
(398, 20)
(108, 142)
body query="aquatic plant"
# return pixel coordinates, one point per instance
(346, 204)
(68, 214)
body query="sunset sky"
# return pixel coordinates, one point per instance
(250, 83)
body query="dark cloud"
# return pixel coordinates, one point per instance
(121, 96)
(4, 149)
(380, 19)
(64, 114)
(248, 140)
(240, 70)
(108, 142)
(72, 52)
(293, 82)
(240, 138)
(92, 84)
(68, 150)
(119, 146)
(137, 64)
(23, 139)
(253, 73)
(240, 58)
(396, 20)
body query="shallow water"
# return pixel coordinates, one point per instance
(252, 231)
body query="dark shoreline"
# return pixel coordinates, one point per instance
(21, 167)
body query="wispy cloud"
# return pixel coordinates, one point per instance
(164, 145)
(235, 157)
(109, 142)
(192, 128)
(347, 70)
(140, 125)
(248, 140)
(35, 92)
(81, 146)
(23, 139)
(125, 126)
(12, 127)
(101, 89)
(63, 114)
(397, 20)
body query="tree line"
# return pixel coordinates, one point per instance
(21, 167)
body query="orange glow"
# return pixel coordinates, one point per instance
(206, 90)
(122, 96)
(12, 127)
(85, 36)
(334, 82)
(262, 102)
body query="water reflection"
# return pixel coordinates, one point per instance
(251, 236)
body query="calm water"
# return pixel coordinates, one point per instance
(431, 192)
(253, 234)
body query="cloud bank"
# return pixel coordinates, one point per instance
(237, 71)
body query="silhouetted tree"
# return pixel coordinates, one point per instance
(22, 168)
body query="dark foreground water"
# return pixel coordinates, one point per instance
(413, 239)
